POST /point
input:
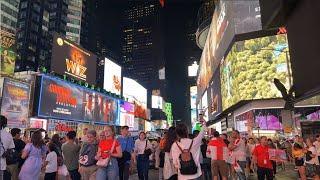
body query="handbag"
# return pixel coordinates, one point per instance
(105, 162)
(126, 156)
(147, 151)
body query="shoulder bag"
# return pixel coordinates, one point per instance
(105, 162)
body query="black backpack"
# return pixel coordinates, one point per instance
(11, 155)
(187, 164)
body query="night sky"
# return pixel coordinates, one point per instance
(177, 15)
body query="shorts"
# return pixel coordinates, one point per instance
(219, 166)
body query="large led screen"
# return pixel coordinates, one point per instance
(137, 94)
(15, 102)
(250, 67)
(7, 52)
(112, 77)
(157, 102)
(268, 119)
(63, 100)
(214, 96)
(126, 114)
(204, 106)
(72, 60)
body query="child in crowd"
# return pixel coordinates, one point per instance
(51, 163)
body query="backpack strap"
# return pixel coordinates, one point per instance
(189, 147)
(179, 146)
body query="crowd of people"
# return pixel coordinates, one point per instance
(177, 155)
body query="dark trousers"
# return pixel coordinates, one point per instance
(206, 169)
(50, 176)
(124, 171)
(274, 165)
(74, 174)
(143, 167)
(265, 172)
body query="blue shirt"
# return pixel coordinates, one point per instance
(127, 144)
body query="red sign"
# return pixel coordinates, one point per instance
(62, 127)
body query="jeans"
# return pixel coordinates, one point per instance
(111, 172)
(143, 167)
(242, 175)
(124, 171)
(262, 172)
(206, 169)
(74, 174)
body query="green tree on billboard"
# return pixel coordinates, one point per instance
(252, 65)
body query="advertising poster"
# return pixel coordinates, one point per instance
(136, 94)
(268, 119)
(126, 114)
(7, 52)
(15, 102)
(157, 102)
(112, 77)
(214, 96)
(250, 67)
(72, 60)
(63, 100)
(204, 105)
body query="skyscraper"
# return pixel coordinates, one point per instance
(33, 37)
(142, 42)
(8, 15)
(74, 16)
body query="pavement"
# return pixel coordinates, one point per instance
(283, 174)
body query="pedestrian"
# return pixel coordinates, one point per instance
(186, 153)
(225, 138)
(34, 153)
(13, 166)
(169, 171)
(6, 143)
(84, 137)
(87, 159)
(238, 151)
(250, 147)
(218, 151)
(55, 140)
(127, 146)
(298, 153)
(108, 148)
(206, 161)
(261, 160)
(156, 147)
(274, 163)
(142, 149)
(312, 161)
(51, 163)
(70, 151)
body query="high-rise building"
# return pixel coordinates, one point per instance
(37, 21)
(142, 42)
(74, 17)
(8, 15)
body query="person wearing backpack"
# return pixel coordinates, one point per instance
(15, 161)
(186, 153)
(6, 143)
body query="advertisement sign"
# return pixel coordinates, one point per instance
(157, 102)
(7, 52)
(204, 106)
(112, 77)
(38, 123)
(249, 69)
(15, 102)
(214, 96)
(126, 114)
(136, 94)
(72, 60)
(63, 100)
(268, 119)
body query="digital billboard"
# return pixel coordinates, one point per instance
(250, 67)
(72, 60)
(126, 114)
(204, 106)
(7, 52)
(157, 102)
(137, 94)
(112, 77)
(62, 100)
(214, 96)
(15, 102)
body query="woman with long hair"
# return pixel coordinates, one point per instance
(34, 153)
(55, 140)
(312, 160)
(109, 148)
(169, 172)
(142, 159)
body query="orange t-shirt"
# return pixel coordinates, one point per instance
(106, 145)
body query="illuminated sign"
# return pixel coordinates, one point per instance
(15, 102)
(168, 112)
(72, 60)
(193, 69)
(7, 52)
(112, 77)
(157, 102)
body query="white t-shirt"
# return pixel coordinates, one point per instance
(314, 160)
(239, 153)
(7, 141)
(52, 165)
(140, 146)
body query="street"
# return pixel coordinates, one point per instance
(288, 174)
